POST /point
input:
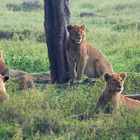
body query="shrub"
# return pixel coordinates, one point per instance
(25, 6)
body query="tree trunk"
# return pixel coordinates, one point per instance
(55, 21)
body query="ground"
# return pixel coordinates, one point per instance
(46, 112)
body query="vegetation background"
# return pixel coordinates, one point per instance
(46, 113)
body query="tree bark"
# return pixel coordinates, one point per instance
(56, 18)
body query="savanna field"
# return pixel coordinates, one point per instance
(45, 113)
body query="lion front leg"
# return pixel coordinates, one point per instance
(101, 103)
(80, 69)
(72, 73)
(72, 70)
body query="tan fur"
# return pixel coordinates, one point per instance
(112, 93)
(4, 76)
(3, 93)
(22, 79)
(83, 58)
(4, 71)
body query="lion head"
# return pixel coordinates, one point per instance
(115, 82)
(76, 33)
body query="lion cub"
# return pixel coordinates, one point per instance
(112, 93)
(3, 93)
(83, 58)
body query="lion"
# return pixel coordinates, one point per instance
(21, 79)
(3, 94)
(83, 58)
(113, 93)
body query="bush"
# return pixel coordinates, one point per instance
(126, 26)
(6, 34)
(25, 6)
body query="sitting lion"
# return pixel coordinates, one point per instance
(3, 93)
(112, 93)
(83, 58)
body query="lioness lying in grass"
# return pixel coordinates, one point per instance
(112, 93)
(21, 79)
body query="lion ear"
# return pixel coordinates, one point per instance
(106, 76)
(69, 27)
(83, 27)
(122, 75)
(5, 78)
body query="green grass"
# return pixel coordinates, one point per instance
(46, 112)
